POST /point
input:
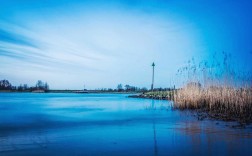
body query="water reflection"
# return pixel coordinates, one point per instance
(153, 107)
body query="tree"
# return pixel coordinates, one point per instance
(39, 84)
(5, 84)
(119, 88)
(127, 87)
(20, 88)
(144, 89)
(25, 87)
(46, 86)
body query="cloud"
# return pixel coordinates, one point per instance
(6, 53)
(15, 38)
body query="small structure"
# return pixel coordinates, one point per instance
(38, 91)
(152, 85)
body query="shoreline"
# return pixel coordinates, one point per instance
(69, 91)
(201, 113)
(143, 96)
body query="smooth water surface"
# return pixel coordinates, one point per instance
(110, 124)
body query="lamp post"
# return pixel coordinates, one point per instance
(152, 85)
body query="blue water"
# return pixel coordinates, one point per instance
(110, 124)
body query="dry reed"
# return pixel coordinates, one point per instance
(227, 96)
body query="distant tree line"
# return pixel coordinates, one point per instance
(40, 85)
(129, 88)
(43, 86)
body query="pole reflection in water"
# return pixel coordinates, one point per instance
(153, 108)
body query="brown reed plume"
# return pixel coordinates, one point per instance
(217, 88)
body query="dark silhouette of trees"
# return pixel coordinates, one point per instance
(144, 89)
(25, 86)
(40, 85)
(131, 88)
(5, 85)
(127, 87)
(119, 88)
(46, 86)
(20, 88)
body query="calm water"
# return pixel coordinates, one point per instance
(110, 124)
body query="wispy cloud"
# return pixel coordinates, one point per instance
(14, 38)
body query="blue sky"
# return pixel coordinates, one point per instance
(104, 43)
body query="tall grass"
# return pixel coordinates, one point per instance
(219, 88)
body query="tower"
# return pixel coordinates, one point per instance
(152, 85)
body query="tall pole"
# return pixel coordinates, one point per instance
(152, 85)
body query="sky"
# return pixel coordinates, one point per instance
(100, 44)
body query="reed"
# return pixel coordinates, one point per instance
(225, 93)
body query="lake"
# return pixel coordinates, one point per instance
(110, 124)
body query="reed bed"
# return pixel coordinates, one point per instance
(226, 96)
(221, 102)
